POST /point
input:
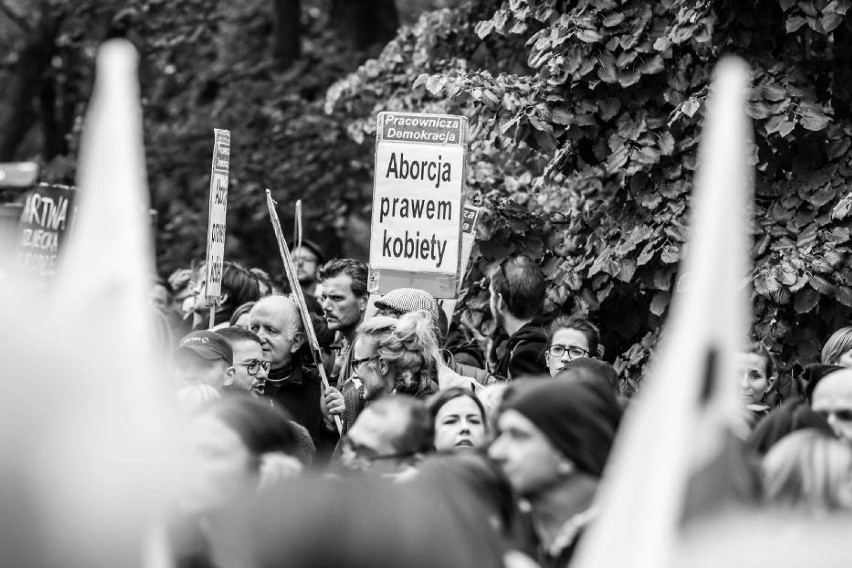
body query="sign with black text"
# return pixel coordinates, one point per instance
(417, 202)
(44, 222)
(218, 214)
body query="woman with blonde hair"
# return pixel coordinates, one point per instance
(811, 470)
(838, 348)
(389, 356)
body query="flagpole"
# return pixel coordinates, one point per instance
(299, 297)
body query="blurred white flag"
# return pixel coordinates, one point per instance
(689, 402)
(87, 424)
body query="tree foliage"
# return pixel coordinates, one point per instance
(585, 119)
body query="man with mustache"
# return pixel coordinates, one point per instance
(344, 301)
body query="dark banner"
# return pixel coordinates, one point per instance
(44, 222)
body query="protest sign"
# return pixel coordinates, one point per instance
(218, 213)
(469, 220)
(45, 219)
(415, 237)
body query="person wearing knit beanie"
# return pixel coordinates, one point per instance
(554, 438)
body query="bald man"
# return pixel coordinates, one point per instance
(832, 399)
(292, 382)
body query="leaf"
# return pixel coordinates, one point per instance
(666, 143)
(822, 285)
(774, 93)
(627, 270)
(822, 196)
(646, 254)
(844, 296)
(660, 303)
(613, 19)
(608, 108)
(435, 84)
(794, 23)
(589, 36)
(690, 107)
(830, 21)
(484, 28)
(814, 119)
(561, 116)
(671, 254)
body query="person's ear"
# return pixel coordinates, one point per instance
(501, 303)
(362, 303)
(229, 376)
(223, 298)
(770, 383)
(383, 367)
(298, 341)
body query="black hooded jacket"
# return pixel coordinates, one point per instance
(524, 353)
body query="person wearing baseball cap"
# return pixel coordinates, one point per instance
(553, 441)
(204, 357)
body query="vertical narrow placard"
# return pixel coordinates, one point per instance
(469, 220)
(415, 234)
(44, 223)
(218, 214)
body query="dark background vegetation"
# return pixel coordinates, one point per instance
(584, 123)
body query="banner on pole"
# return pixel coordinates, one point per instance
(44, 222)
(218, 213)
(415, 234)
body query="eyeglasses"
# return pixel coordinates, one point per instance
(573, 351)
(355, 364)
(841, 415)
(253, 366)
(366, 456)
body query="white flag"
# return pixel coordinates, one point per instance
(690, 400)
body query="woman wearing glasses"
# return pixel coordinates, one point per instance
(389, 356)
(571, 338)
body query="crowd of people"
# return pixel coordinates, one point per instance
(416, 453)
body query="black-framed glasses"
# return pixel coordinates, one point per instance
(253, 366)
(843, 415)
(356, 363)
(574, 351)
(368, 455)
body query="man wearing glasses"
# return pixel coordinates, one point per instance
(250, 369)
(517, 295)
(388, 437)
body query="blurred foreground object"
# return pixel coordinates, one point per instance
(85, 421)
(667, 462)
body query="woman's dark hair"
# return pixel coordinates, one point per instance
(481, 478)
(241, 311)
(262, 428)
(584, 326)
(375, 524)
(443, 397)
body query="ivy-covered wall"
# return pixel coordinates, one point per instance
(585, 117)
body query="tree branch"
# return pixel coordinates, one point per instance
(15, 18)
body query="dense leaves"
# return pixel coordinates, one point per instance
(585, 117)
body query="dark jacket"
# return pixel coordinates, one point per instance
(524, 353)
(298, 390)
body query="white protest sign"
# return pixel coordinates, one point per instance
(218, 214)
(417, 202)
